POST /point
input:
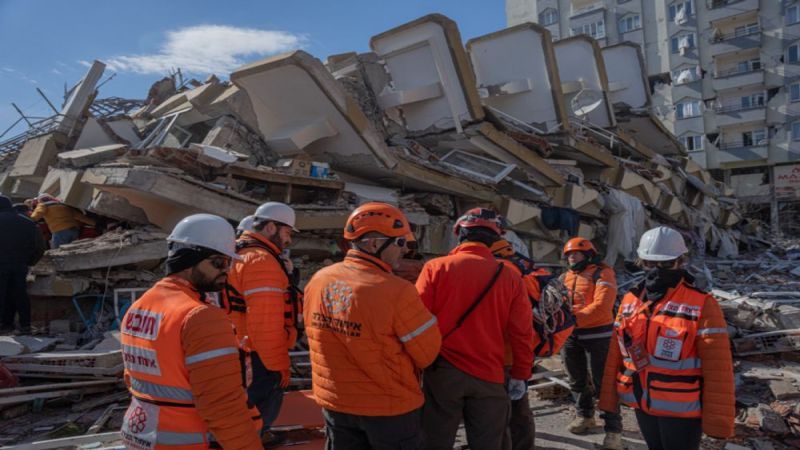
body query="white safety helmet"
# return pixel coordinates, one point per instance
(661, 244)
(207, 231)
(246, 224)
(276, 212)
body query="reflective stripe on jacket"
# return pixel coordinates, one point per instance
(264, 287)
(182, 368)
(690, 370)
(369, 337)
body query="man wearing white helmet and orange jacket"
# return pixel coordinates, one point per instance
(181, 357)
(262, 286)
(670, 359)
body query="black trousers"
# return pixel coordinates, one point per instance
(14, 296)
(584, 358)
(352, 432)
(670, 433)
(521, 426)
(265, 392)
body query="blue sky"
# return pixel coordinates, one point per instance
(46, 44)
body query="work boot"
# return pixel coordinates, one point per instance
(613, 441)
(581, 425)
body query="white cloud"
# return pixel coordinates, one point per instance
(56, 71)
(205, 49)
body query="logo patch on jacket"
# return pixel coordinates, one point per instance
(667, 348)
(141, 323)
(139, 425)
(337, 297)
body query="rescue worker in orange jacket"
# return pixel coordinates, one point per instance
(261, 284)
(181, 357)
(369, 338)
(671, 359)
(592, 287)
(481, 306)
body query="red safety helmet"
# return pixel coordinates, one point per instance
(480, 217)
(579, 244)
(376, 217)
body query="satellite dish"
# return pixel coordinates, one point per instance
(585, 101)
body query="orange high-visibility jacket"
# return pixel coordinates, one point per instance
(59, 217)
(593, 292)
(369, 337)
(690, 370)
(183, 370)
(259, 278)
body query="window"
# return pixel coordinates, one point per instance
(596, 30)
(685, 41)
(792, 17)
(630, 23)
(755, 137)
(752, 101)
(793, 53)
(693, 143)
(675, 8)
(686, 75)
(548, 17)
(796, 131)
(794, 92)
(687, 109)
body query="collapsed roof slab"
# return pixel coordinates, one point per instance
(584, 81)
(84, 157)
(300, 108)
(432, 82)
(627, 78)
(37, 154)
(648, 136)
(517, 74)
(582, 151)
(167, 198)
(636, 185)
(583, 199)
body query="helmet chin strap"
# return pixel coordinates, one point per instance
(379, 252)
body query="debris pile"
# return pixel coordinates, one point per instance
(562, 143)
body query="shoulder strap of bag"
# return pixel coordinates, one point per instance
(477, 301)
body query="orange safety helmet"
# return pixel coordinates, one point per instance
(376, 217)
(579, 244)
(480, 217)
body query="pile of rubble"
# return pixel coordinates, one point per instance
(561, 142)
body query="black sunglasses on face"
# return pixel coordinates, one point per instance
(659, 264)
(220, 263)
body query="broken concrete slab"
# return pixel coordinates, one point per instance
(301, 108)
(81, 96)
(58, 286)
(116, 207)
(90, 156)
(37, 154)
(528, 90)
(627, 76)
(166, 198)
(584, 81)
(65, 185)
(116, 248)
(583, 199)
(432, 82)
(17, 345)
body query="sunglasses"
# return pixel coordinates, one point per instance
(220, 262)
(659, 264)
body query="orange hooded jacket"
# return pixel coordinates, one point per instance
(369, 337)
(182, 367)
(593, 292)
(259, 278)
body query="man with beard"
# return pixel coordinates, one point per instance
(263, 285)
(181, 357)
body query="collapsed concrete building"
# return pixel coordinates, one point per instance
(558, 137)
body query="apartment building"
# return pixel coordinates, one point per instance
(725, 74)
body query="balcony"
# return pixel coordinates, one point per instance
(585, 9)
(723, 9)
(736, 77)
(733, 152)
(737, 114)
(734, 42)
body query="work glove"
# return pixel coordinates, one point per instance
(285, 374)
(517, 389)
